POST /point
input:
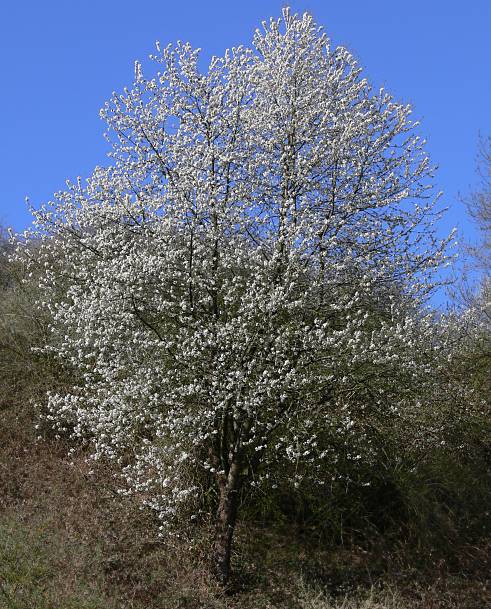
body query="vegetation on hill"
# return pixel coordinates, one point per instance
(226, 336)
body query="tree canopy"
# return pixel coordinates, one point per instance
(246, 276)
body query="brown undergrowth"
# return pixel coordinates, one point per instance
(67, 541)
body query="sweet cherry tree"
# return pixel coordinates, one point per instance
(250, 262)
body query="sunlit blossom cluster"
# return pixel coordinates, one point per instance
(249, 272)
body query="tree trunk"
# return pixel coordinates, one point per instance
(225, 524)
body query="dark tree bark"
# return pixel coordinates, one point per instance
(225, 523)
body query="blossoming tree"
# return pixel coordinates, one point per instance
(252, 260)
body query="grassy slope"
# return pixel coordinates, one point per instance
(66, 542)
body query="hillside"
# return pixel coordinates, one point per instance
(68, 542)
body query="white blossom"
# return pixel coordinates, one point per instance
(254, 260)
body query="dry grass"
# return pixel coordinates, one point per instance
(67, 542)
(393, 598)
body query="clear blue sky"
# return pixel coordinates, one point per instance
(62, 60)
